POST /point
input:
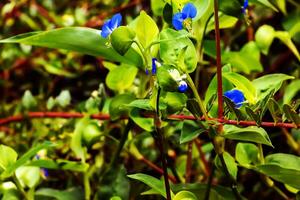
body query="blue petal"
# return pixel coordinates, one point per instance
(189, 10)
(182, 86)
(146, 71)
(115, 21)
(106, 31)
(245, 6)
(236, 96)
(177, 21)
(154, 67)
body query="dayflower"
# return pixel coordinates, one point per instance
(44, 171)
(155, 65)
(245, 6)
(110, 25)
(236, 96)
(189, 11)
(182, 85)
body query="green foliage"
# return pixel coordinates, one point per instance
(127, 113)
(249, 134)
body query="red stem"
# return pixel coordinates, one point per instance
(188, 170)
(66, 115)
(219, 64)
(202, 157)
(156, 168)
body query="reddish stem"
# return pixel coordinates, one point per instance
(156, 168)
(188, 169)
(67, 115)
(202, 157)
(219, 63)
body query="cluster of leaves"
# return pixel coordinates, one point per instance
(94, 158)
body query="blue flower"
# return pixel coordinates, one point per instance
(182, 87)
(236, 96)
(245, 6)
(154, 66)
(110, 25)
(188, 11)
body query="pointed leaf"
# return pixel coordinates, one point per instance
(249, 134)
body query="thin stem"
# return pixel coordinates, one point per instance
(280, 192)
(209, 184)
(142, 52)
(219, 64)
(294, 3)
(206, 167)
(73, 115)
(198, 98)
(188, 169)
(291, 141)
(87, 186)
(20, 188)
(122, 142)
(160, 141)
(156, 168)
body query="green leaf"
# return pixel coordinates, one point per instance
(175, 101)
(254, 116)
(231, 106)
(122, 38)
(145, 123)
(274, 109)
(91, 133)
(76, 141)
(225, 21)
(291, 91)
(291, 114)
(64, 98)
(121, 78)
(146, 29)
(217, 192)
(193, 106)
(230, 7)
(246, 153)
(286, 39)
(231, 165)
(264, 37)
(152, 182)
(8, 157)
(190, 130)
(268, 4)
(117, 106)
(84, 40)
(157, 7)
(26, 157)
(68, 194)
(60, 164)
(28, 176)
(249, 134)
(165, 80)
(247, 60)
(243, 84)
(114, 183)
(185, 195)
(269, 83)
(282, 167)
(141, 103)
(171, 44)
(51, 103)
(28, 101)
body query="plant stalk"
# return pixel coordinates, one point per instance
(160, 142)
